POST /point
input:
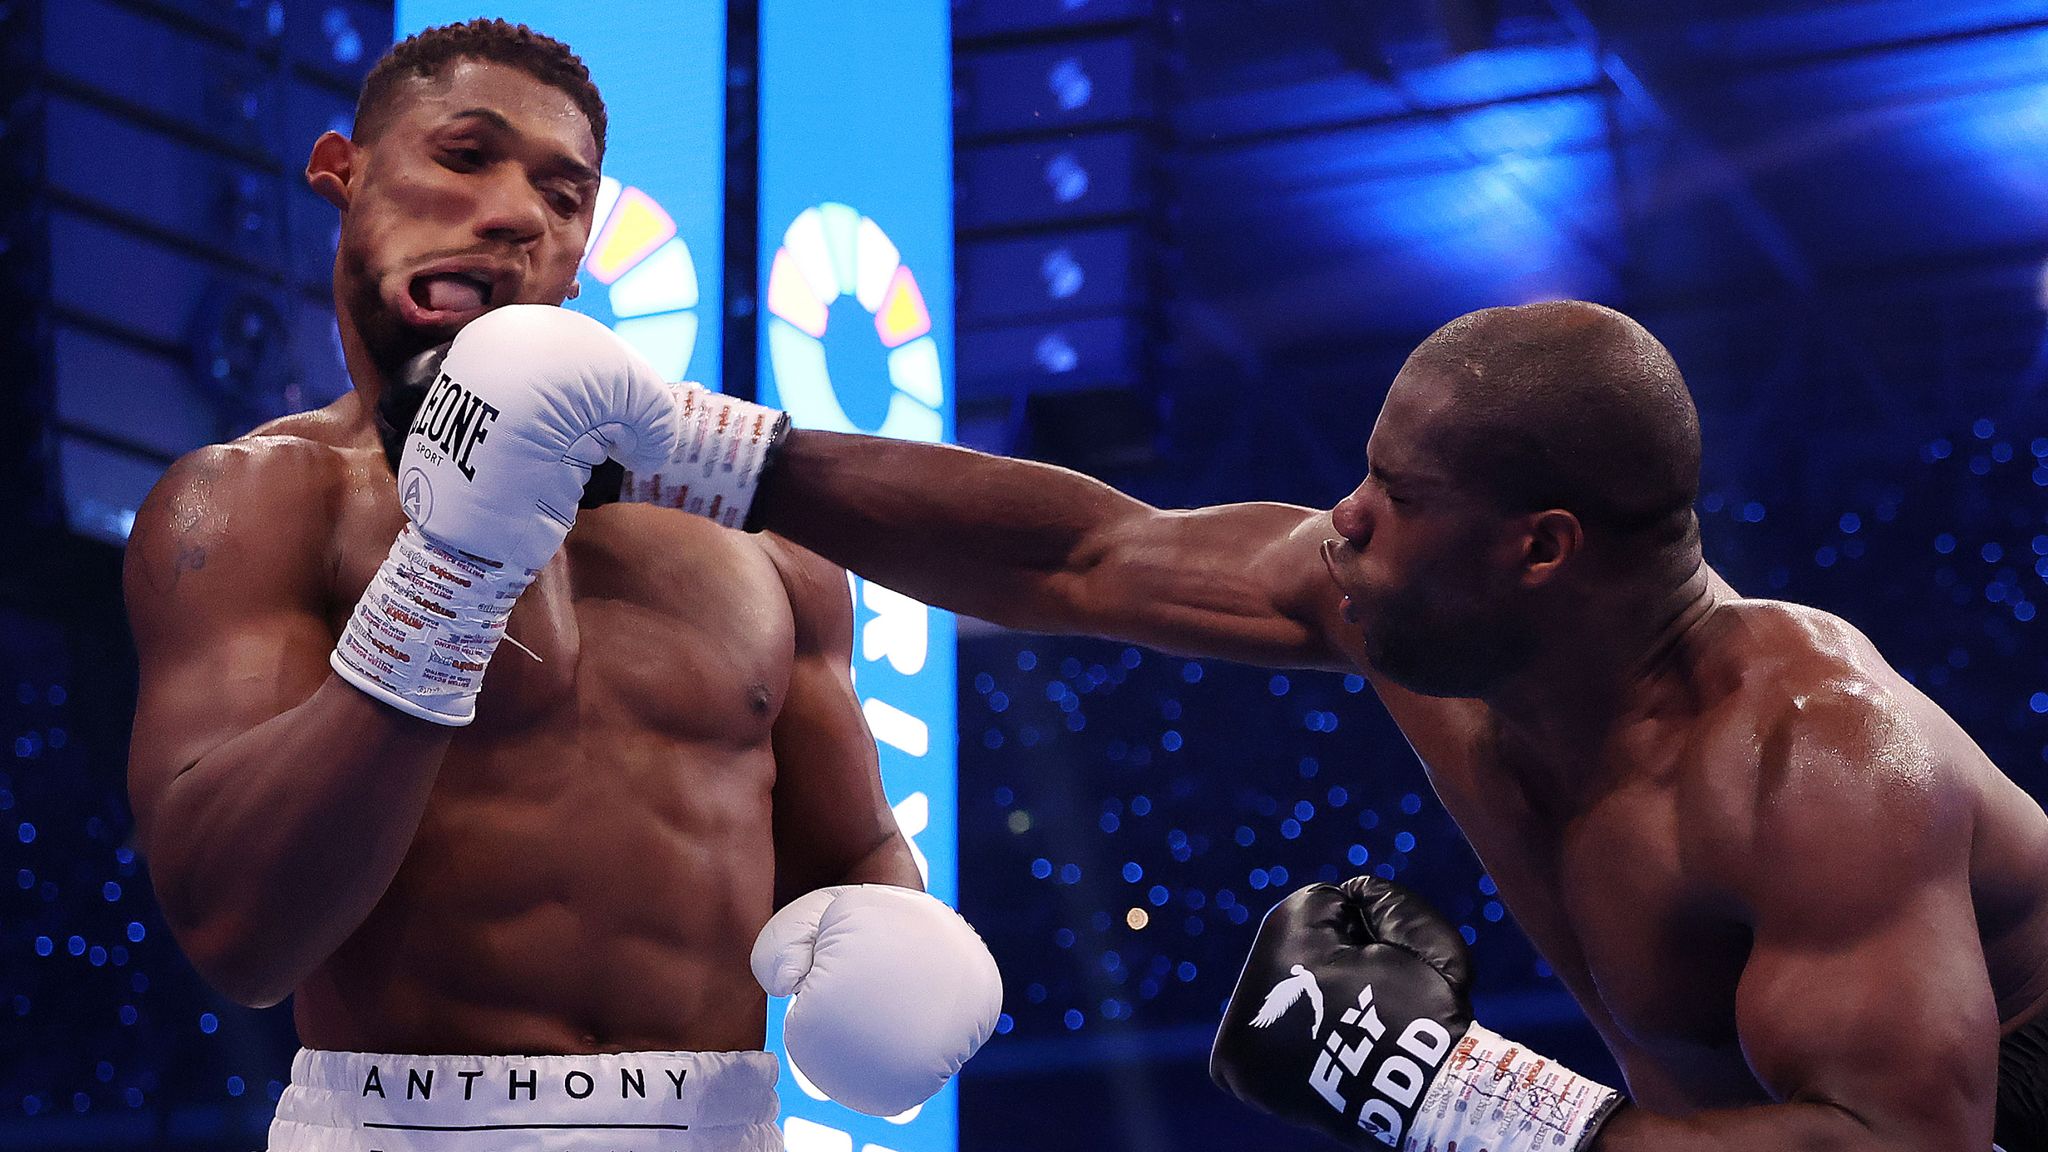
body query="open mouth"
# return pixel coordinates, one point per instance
(439, 299)
(1349, 607)
(452, 292)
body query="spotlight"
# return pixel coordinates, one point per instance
(1056, 354)
(1070, 84)
(1066, 177)
(1062, 273)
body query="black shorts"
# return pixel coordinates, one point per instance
(2023, 1088)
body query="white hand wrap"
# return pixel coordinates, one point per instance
(1494, 1093)
(425, 627)
(725, 448)
(527, 399)
(893, 991)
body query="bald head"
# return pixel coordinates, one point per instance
(1565, 405)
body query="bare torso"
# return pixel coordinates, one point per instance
(597, 854)
(1627, 897)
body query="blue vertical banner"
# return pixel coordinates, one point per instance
(856, 335)
(654, 265)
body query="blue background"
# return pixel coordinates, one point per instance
(855, 110)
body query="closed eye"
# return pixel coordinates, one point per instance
(564, 201)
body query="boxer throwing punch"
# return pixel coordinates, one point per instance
(1800, 906)
(511, 805)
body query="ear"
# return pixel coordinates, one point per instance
(333, 167)
(1550, 539)
(575, 289)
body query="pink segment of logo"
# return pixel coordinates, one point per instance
(791, 298)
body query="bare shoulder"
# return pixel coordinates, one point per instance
(1800, 680)
(819, 596)
(283, 460)
(258, 508)
(1850, 761)
(1787, 666)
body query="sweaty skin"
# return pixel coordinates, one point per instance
(1795, 899)
(585, 867)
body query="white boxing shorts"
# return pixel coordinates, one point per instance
(622, 1102)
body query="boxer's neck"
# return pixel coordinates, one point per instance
(363, 372)
(1621, 658)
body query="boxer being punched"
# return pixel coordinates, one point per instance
(537, 900)
(1798, 903)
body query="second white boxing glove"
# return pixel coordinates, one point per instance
(892, 992)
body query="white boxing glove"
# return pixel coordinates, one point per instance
(528, 398)
(892, 992)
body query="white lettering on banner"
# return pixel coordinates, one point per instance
(913, 815)
(898, 632)
(903, 1117)
(801, 1135)
(896, 728)
(803, 1082)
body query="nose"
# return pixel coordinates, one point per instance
(1351, 519)
(511, 209)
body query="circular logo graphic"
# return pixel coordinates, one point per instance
(830, 251)
(415, 495)
(652, 284)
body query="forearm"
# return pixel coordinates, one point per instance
(890, 863)
(1794, 1127)
(982, 535)
(270, 849)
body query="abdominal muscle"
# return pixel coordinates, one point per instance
(580, 891)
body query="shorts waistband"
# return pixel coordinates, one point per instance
(643, 1101)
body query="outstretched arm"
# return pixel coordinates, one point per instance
(1864, 1008)
(1045, 549)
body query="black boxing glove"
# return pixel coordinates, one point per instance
(1352, 1017)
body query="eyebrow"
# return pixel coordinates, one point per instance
(1386, 475)
(1406, 481)
(581, 172)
